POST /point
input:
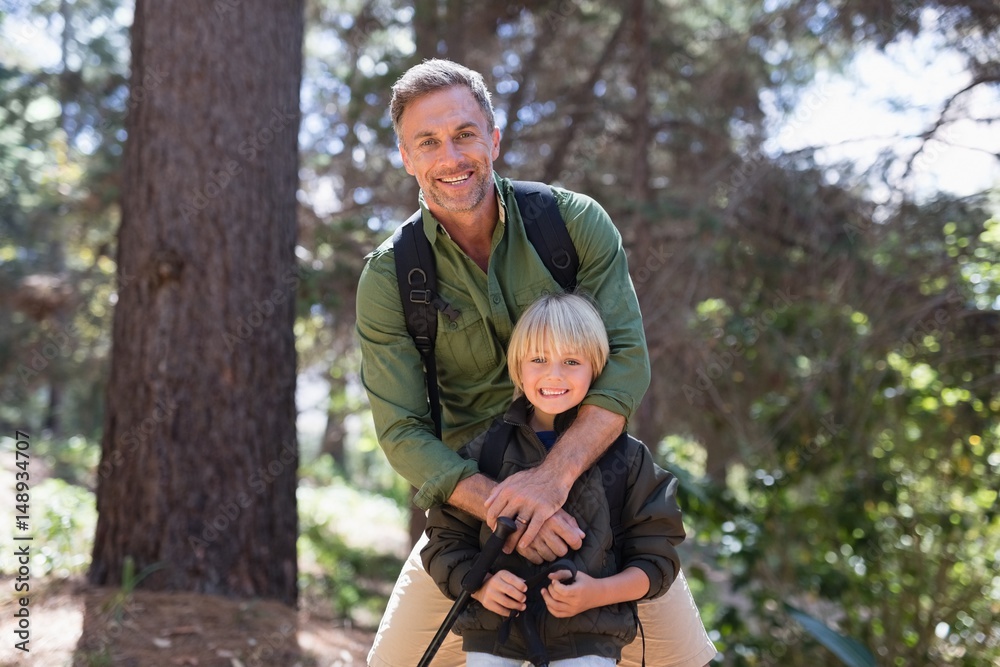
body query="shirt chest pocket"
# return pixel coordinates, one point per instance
(526, 296)
(465, 348)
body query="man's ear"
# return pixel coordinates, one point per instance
(496, 143)
(406, 159)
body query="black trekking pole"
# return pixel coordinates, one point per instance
(471, 582)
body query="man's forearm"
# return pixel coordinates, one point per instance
(470, 495)
(583, 443)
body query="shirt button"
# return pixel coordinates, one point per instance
(452, 325)
(496, 298)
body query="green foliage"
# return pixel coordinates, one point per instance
(62, 102)
(875, 510)
(63, 519)
(824, 361)
(342, 548)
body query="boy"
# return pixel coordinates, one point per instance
(557, 349)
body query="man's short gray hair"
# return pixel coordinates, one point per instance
(433, 75)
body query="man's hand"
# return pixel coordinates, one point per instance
(535, 494)
(502, 593)
(532, 496)
(559, 535)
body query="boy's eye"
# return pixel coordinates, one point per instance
(538, 360)
(572, 362)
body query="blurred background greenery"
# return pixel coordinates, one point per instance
(823, 324)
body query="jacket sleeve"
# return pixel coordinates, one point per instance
(393, 376)
(652, 525)
(452, 545)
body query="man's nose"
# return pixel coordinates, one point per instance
(450, 153)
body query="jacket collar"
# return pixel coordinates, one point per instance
(519, 413)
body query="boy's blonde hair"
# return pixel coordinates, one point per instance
(558, 322)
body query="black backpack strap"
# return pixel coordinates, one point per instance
(546, 230)
(494, 447)
(614, 474)
(417, 280)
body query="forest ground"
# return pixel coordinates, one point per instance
(74, 623)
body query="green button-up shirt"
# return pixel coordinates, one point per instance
(471, 351)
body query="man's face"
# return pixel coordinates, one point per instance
(446, 144)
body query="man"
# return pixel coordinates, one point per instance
(488, 271)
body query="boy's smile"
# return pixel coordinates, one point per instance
(554, 382)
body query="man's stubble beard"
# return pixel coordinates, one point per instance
(482, 189)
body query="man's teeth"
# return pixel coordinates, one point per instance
(458, 179)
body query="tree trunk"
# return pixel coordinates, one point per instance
(199, 453)
(333, 436)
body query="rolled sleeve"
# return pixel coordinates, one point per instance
(604, 275)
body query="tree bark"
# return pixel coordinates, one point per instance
(199, 452)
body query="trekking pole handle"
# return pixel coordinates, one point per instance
(473, 579)
(471, 582)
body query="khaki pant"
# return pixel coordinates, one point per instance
(675, 635)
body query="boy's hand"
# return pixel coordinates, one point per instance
(503, 593)
(565, 600)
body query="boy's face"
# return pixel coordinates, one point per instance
(554, 383)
